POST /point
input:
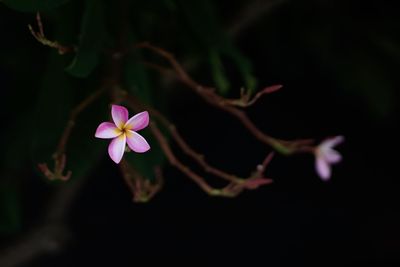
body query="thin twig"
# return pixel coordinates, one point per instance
(179, 165)
(209, 95)
(236, 185)
(41, 38)
(59, 156)
(245, 99)
(173, 160)
(199, 158)
(72, 117)
(127, 176)
(141, 188)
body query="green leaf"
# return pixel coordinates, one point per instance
(203, 21)
(217, 70)
(83, 64)
(59, 95)
(242, 63)
(33, 5)
(91, 41)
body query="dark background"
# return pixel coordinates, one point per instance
(338, 62)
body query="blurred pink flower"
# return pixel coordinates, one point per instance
(325, 156)
(124, 131)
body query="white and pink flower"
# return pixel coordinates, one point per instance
(123, 131)
(325, 156)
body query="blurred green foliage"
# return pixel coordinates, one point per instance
(213, 39)
(92, 40)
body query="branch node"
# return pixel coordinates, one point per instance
(58, 171)
(229, 105)
(142, 189)
(41, 38)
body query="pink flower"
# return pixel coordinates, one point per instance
(325, 156)
(124, 131)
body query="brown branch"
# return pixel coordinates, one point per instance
(141, 188)
(161, 69)
(72, 117)
(208, 94)
(236, 185)
(41, 38)
(58, 169)
(128, 176)
(179, 165)
(245, 99)
(173, 160)
(257, 179)
(262, 167)
(199, 158)
(59, 156)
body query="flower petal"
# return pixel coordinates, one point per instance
(332, 156)
(120, 115)
(116, 148)
(138, 122)
(136, 142)
(334, 141)
(107, 130)
(323, 169)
